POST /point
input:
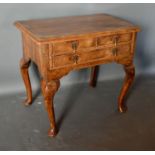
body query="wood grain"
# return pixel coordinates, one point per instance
(64, 27)
(59, 45)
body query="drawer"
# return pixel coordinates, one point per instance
(63, 60)
(71, 46)
(108, 54)
(105, 40)
(95, 55)
(62, 47)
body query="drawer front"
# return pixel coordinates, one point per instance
(63, 60)
(95, 55)
(109, 54)
(105, 40)
(62, 47)
(71, 46)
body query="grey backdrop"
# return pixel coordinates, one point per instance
(11, 49)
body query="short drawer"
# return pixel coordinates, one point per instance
(63, 60)
(108, 54)
(74, 45)
(95, 55)
(105, 40)
(62, 47)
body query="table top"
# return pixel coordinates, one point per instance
(54, 28)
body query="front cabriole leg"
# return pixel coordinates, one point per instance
(49, 89)
(130, 73)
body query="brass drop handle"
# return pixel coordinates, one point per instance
(74, 45)
(114, 51)
(75, 58)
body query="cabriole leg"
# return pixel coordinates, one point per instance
(130, 73)
(24, 65)
(49, 89)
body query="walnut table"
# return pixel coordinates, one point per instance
(60, 45)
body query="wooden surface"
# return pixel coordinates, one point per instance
(63, 27)
(60, 45)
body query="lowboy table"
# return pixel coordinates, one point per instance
(60, 45)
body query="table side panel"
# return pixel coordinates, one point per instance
(38, 53)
